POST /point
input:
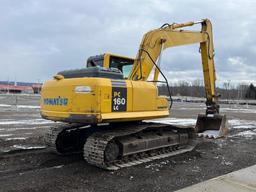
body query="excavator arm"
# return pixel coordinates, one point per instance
(155, 41)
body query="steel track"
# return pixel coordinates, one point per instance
(52, 134)
(96, 144)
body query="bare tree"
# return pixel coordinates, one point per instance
(241, 90)
(226, 86)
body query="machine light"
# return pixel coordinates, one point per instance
(83, 89)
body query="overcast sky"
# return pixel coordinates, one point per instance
(41, 37)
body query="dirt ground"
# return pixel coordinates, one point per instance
(27, 165)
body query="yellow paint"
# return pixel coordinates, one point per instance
(142, 100)
(144, 96)
(133, 116)
(172, 36)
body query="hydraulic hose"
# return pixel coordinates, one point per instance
(166, 81)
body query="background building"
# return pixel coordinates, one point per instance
(20, 87)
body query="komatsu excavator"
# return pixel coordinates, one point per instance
(102, 107)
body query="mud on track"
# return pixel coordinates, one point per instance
(26, 165)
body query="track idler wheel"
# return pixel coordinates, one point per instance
(112, 151)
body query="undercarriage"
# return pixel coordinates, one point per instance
(117, 145)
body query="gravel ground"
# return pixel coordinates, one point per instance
(27, 165)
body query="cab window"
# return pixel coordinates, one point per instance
(94, 61)
(123, 64)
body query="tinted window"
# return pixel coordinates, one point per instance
(126, 70)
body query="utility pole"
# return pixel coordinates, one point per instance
(8, 86)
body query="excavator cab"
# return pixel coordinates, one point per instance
(112, 61)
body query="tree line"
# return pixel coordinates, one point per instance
(196, 89)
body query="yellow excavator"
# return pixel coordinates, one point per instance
(101, 109)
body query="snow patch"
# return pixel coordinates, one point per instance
(21, 106)
(26, 147)
(28, 133)
(4, 105)
(15, 138)
(175, 121)
(156, 166)
(247, 134)
(5, 150)
(5, 135)
(234, 123)
(22, 128)
(245, 126)
(238, 124)
(238, 110)
(190, 108)
(58, 166)
(26, 122)
(28, 106)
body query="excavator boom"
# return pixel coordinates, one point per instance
(168, 36)
(155, 41)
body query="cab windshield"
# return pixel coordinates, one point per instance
(123, 64)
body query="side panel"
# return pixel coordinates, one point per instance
(61, 101)
(105, 96)
(142, 102)
(162, 103)
(144, 96)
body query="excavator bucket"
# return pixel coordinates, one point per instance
(211, 126)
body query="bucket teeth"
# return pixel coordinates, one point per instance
(213, 135)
